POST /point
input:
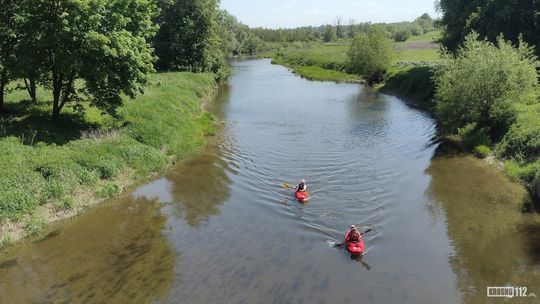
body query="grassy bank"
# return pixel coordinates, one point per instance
(410, 76)
(328, 61)
(54, 170)
(315, 61)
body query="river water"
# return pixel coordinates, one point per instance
(221, 228)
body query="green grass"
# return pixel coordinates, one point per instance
(321, 74)
(86, 151)
(418, 55)
(414, 82)
(428, 37)
(317, 60)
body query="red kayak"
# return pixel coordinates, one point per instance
(355, 248)
(301, 196)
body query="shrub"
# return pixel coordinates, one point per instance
(472, 136)
(108, 190)
(482, 151)
(526, 172)
(370, 55)
(402, 35)
(523, 139)
(482, 83)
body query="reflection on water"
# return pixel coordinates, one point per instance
(495, 243)
(108, 255)
(220, 228)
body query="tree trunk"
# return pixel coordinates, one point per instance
(57, 90)
(30, 84)
(2, 86)
(2, 95)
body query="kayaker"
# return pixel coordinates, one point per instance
(301, 187)
(354, 235)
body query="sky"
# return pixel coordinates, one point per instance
(295, 13)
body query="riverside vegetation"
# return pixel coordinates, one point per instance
(83, 112)
(484, 92)
(46, 170)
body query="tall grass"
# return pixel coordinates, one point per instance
(166, 122)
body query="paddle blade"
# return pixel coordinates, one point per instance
(286, 186)
(366, 231)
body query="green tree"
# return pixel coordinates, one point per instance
(425, 22)
(370, 55)
(103, 43)
(329, 33)
(8, 40)
(477, 89)
(187, 39)
(340, 29)
(402, 35)
(489, 18)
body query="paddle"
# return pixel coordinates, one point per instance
(362, 233)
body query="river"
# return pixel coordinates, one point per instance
(221, 228)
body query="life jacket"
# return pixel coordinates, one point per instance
(354, 236)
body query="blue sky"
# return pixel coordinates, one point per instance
(294, 13)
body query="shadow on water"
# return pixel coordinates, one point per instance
(199, 187)
(110, 257)
(495, 243)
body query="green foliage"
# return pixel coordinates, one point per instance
(370, 55)
(482, 151)
(101, 42)
(237, 38)
(187, 39)
(66, 203)
(108, 190)
(482, 83)
(490, 19)
(322, 74)
(167, 119)
(402, 35)
(329, 33)
(425, 23)
(523, 139)
(471, 136)
(207, 124)
(34, 225)
(521, 171)
(7, 43)
(412, 81)
(45, 173)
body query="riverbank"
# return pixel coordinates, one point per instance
(411, 77)
(51, 172)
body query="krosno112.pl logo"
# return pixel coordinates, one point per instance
(508, 292)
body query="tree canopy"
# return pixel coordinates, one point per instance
(477, 89)
(187, 39)
(370, 55)
(489, 18)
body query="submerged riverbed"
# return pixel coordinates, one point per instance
(221, 228)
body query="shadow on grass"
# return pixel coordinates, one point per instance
(32, 123)
(414, 83)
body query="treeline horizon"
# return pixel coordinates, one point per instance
(340, 29)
